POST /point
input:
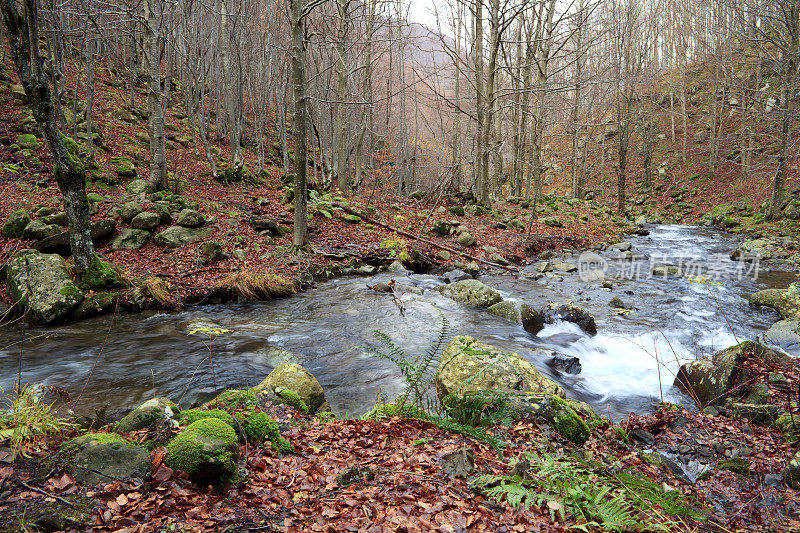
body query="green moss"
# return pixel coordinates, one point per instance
(790, 427)
(148, 414)
(207, 450)
(193, 415)
(73, 446)
(234, 399)
(260, 427)
(739, 465)
(291, 397)
(96, 304)
(15, 224)
(101, 275)
(567, 422)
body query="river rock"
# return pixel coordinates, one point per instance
(521, 313)
(100, 230)
(150, 414)
(563, 266)
(621, 247)
(176, 236)
(567, 364)
(468, 365)
(709, 382)
(189, 218)
(15, 224)
(471, 292)
(146, 221)
(43, 284)
(755, 250)
(207, 450)
(103, 457)
(130, 239)
(785, 334)
(666, 270)
(786, 302)
(571, 313)
(455, 276)
(293, 377)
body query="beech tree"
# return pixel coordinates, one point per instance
(22, 31)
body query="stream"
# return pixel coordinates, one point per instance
(628, 366)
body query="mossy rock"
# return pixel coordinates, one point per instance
(101, 275)
(260, 427)
(15, 224)
(790, 427)
(235, 399)
(556, 411)
(293, 377)
(471, 292)
(739, 465)
(28, 141)
(98, 458)
(96, 304)
(190, 416)
(207, 450)
(293, 399)
(149, 414)
(470, 366)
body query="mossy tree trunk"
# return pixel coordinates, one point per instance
(23, 37)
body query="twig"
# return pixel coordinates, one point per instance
(426, 241)
(40, 491)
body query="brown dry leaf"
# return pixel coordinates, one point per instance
(61, 483)
(122, 500)
(554, 505)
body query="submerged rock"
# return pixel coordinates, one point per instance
(471, 292)
(521, 313)
(784, 334)
(468, 365)
(43, 285)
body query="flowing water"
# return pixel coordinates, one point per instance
(626, 367)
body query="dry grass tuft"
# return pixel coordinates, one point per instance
(256, 285)
(157, 289)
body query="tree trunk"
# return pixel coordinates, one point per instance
(152, 55)
(300, 235)
(23, 37)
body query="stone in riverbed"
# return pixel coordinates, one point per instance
(571, 313)
(468, 365)
(471, 292)
(521, 313)
(666, 270)
(786, 302)
(784, 334)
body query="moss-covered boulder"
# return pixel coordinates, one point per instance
(471, 292)
(15, 224)
(137, 187)
(293, 377)
(207, 450)
(38, 230)
(190, 416)
(260, 427)
(149, 414)
(125, 168)
(521, 313)
(711, 382)
(101, 275)
(560, 414)
(469, 366)
(104, 457)
(190, 218)
(43, 285)
(28, 141)
(130, 239)
(786, 302)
